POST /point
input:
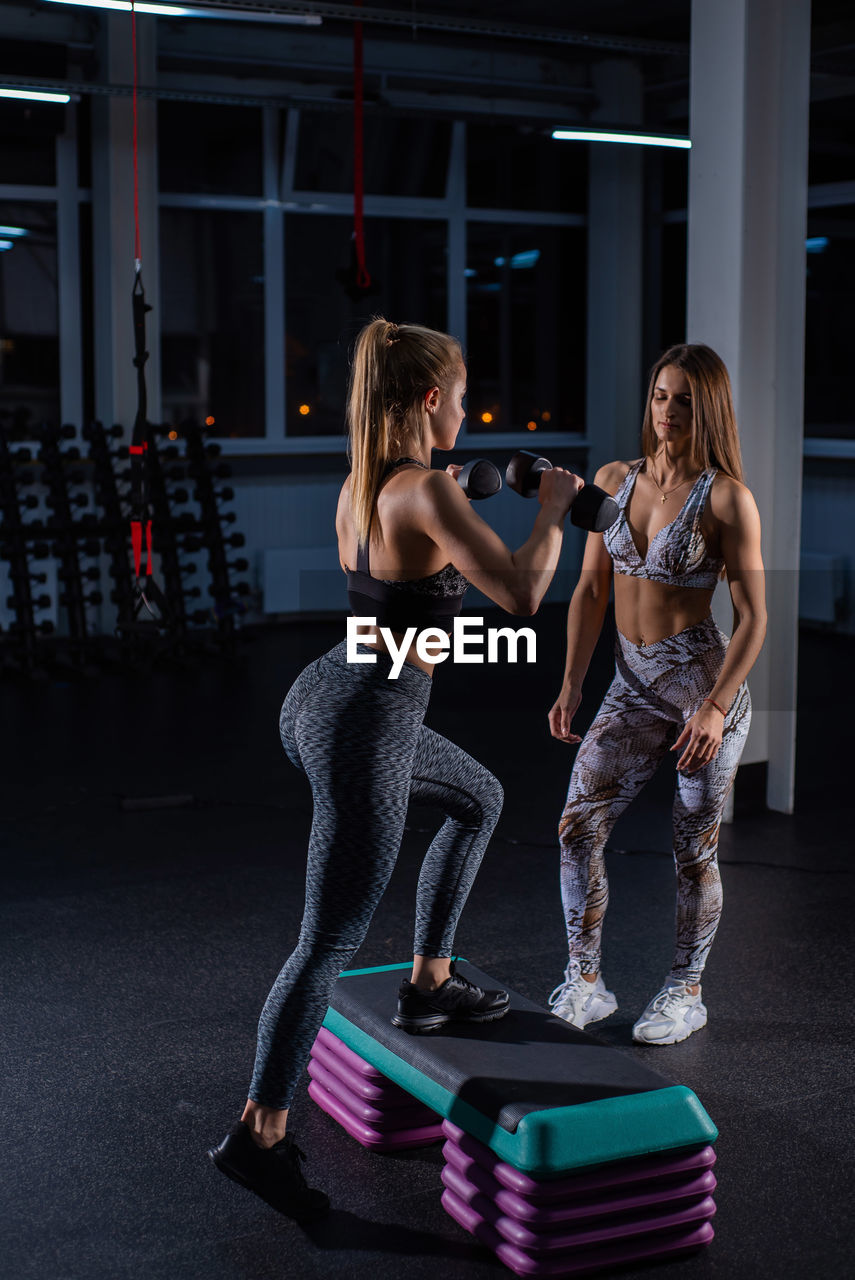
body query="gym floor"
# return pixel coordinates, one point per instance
(137, 948)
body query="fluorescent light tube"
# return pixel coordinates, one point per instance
(638, 139)
(191, 11)
(31, 95)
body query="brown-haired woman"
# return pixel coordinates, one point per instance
(409, 543)
(679, 685)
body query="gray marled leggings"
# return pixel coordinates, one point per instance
(657, 687)
(360, 739)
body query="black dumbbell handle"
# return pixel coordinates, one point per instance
(591, 509)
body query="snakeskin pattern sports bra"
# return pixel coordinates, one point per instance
(676, 555)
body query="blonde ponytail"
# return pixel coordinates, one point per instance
(394, 367)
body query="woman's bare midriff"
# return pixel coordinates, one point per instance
(646, 612)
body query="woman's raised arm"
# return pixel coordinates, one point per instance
(514, 580)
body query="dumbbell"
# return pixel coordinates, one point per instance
(592, 508)
(479, 478)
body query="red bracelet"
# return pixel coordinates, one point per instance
(717, 707)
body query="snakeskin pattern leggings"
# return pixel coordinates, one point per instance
(656, 689)
(360, 739)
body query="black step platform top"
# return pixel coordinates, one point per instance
(525, 1062)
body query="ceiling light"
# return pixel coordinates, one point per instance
(638, 139)
(31, 95)
(195, 11)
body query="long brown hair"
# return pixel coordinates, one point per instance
(394, 367)
(715, 439)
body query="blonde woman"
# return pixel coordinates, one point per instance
(685, 518)
(409, 543)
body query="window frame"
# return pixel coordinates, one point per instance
(274, 203)
(280, 198)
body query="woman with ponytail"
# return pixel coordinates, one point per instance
(409, 543)
(686, 519)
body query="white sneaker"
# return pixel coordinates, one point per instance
(578, 1001)
(672, 1015)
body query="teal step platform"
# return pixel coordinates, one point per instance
(544, 1097)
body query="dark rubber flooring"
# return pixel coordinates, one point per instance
(137, 947)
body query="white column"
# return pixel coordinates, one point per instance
(746, 290)
(614, 396)
(113, 223)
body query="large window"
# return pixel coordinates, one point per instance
(212, 319)
(830, 258)
(202, 147)
(407, 263)
(520, 167)
(672, 287)
(28, 141)
(29, 337)
(259, 308)
(403, 155)
(525, 301)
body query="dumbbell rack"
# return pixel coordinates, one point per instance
(227, 596)
(114, 523)
(22, 644)
(77, 541)
(72, 544)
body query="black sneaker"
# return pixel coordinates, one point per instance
(273, 1173)
(456, 1000)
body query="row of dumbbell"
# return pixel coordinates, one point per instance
(592, 508)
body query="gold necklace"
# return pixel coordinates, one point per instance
(666, 492)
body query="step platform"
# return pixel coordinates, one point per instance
(563, 1155)
(374, 1111)
(628, 1211)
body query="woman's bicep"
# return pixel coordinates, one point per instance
(596, 558)
(467, 541)
(742, 553)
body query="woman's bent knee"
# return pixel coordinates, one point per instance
(578, 828)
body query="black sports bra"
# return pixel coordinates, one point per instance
(434, 601)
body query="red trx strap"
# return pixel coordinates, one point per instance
(363, 279)
(150, 596)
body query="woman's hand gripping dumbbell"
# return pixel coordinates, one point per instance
(591, 509)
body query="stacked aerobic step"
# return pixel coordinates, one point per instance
(563, 1155)
(623, 1212)
(374, 1111)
